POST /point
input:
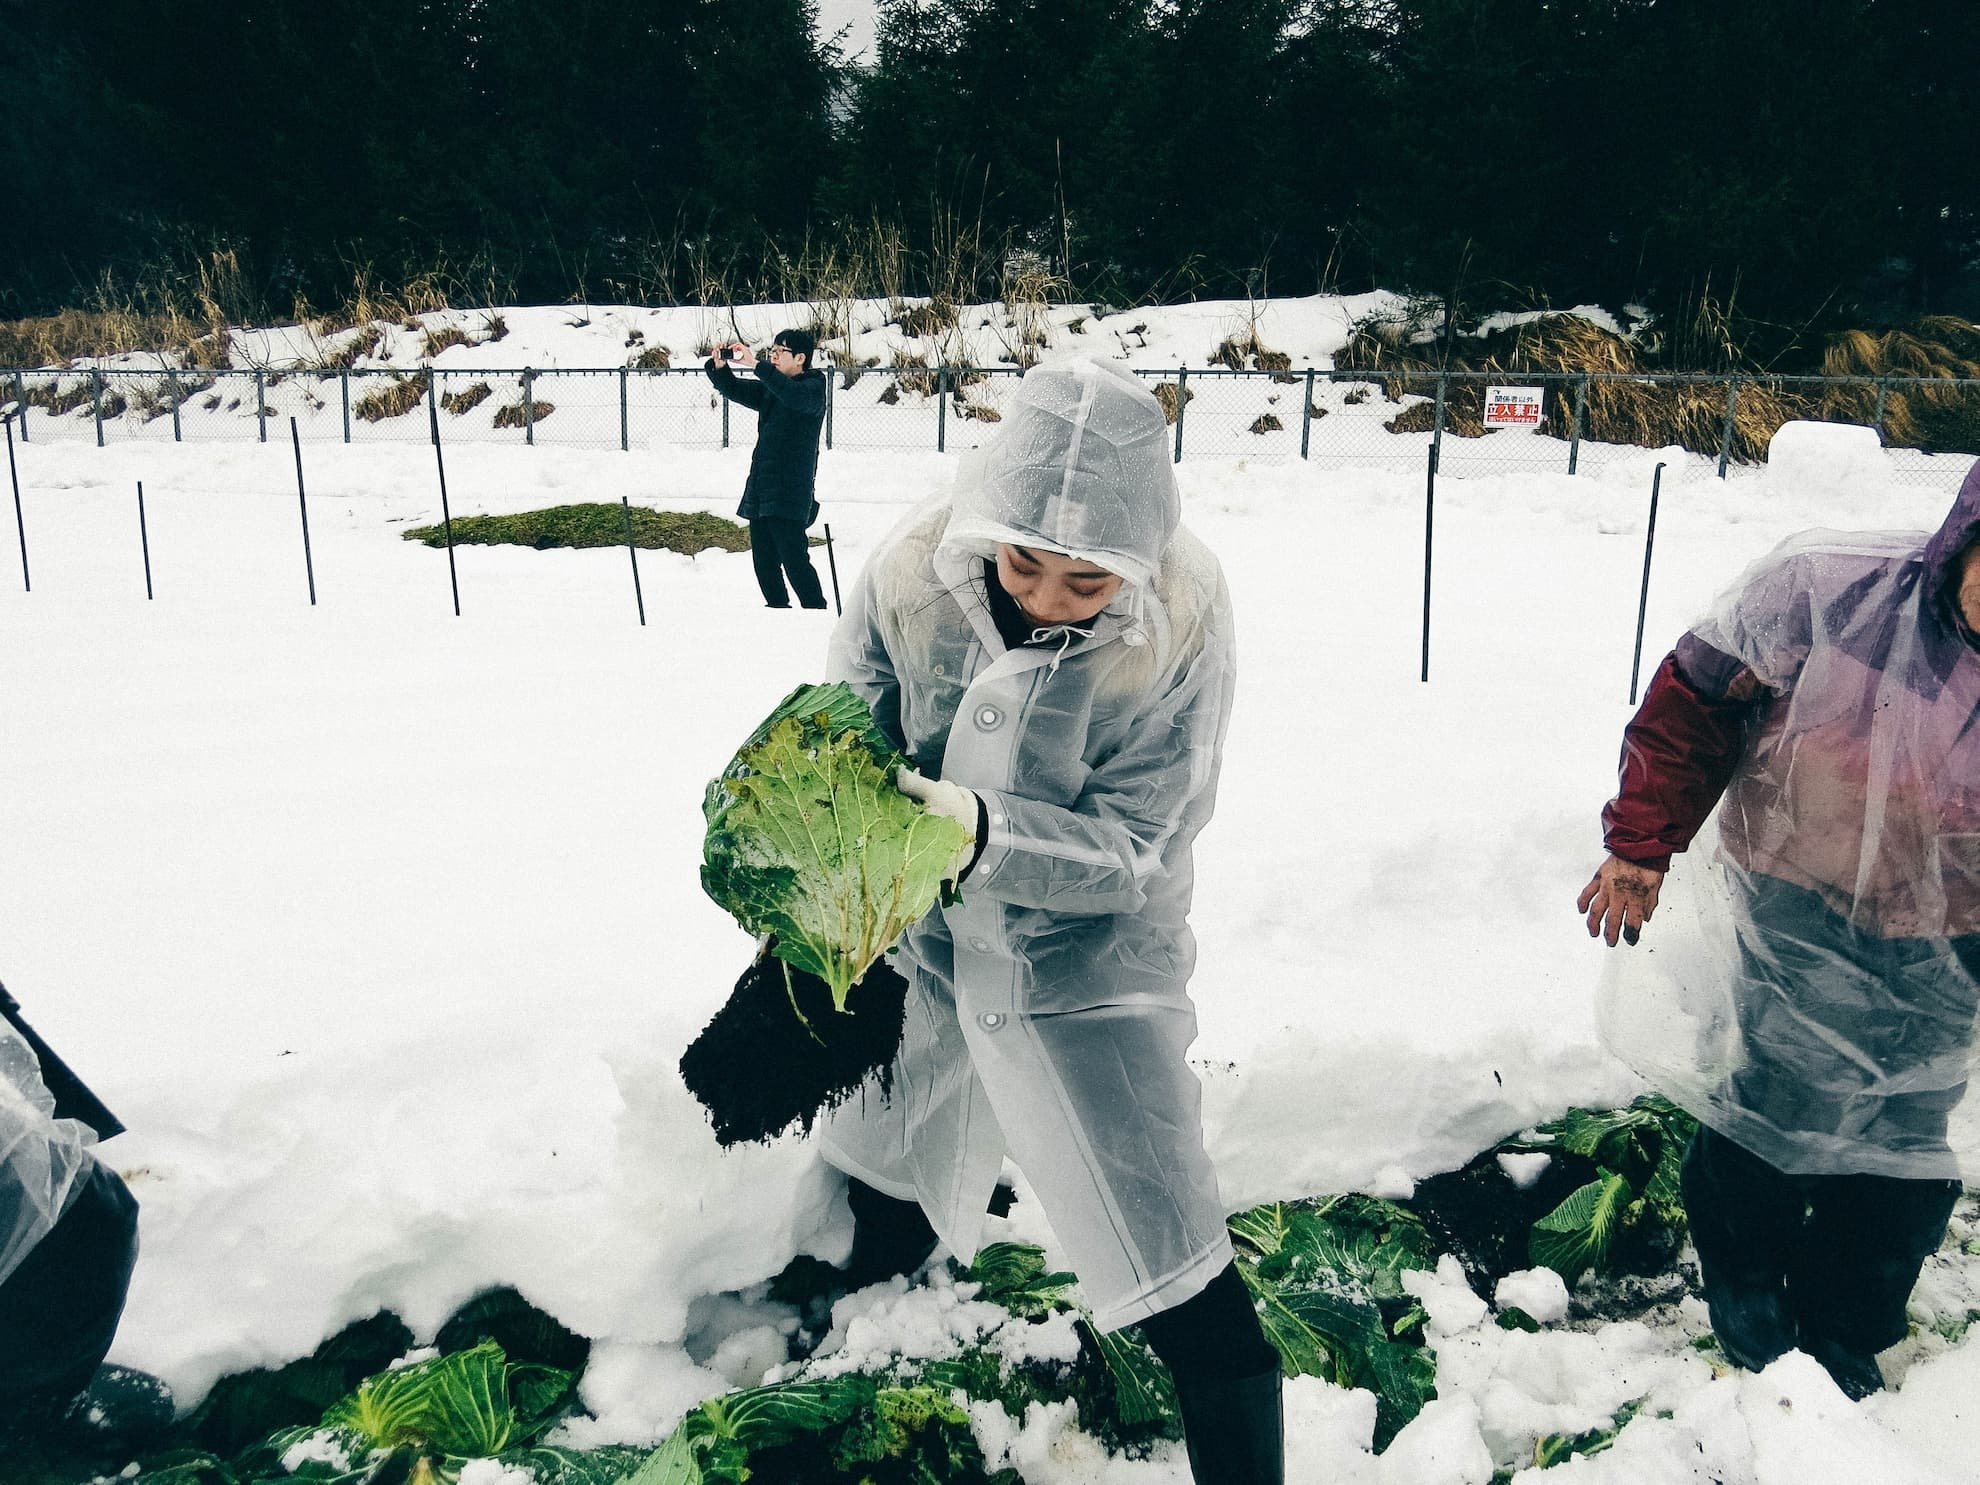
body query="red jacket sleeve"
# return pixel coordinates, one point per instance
(1678, 755)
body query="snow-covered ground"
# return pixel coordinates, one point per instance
(381, 928)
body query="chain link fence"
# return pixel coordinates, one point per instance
(1343, 418)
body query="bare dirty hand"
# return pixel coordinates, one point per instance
(1620, 898)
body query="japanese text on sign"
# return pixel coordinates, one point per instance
(1513, 407)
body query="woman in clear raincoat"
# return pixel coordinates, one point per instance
(1053, 652)
(1815, 1008)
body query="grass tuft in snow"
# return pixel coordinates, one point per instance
(593, 524)
(395, 399)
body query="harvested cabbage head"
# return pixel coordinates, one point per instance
(809, 840)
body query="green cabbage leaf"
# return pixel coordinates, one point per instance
(809, 840)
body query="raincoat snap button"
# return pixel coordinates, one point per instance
(990, 1020)
(988, 717)
(940, 671)
(981, 945)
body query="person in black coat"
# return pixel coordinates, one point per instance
(779, 501)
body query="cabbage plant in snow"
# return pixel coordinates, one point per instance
(808, 839)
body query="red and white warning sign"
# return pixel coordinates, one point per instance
(1513, 407)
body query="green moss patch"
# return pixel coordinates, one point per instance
(595, 524)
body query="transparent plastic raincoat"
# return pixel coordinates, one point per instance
(1049, 1017)
(1812, 994)
(43, 1159)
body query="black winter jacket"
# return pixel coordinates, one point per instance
(790, 412)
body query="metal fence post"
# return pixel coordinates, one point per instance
(1643, 602)
(1580, 421)
(1430, 511)
(529, 406)
(1879, 424)
(21, 396)
(1306, 415)
(1437, 423)
(942, 411)
(177, 398)
(344, 391)
(1182, 401)
(1726, 438)
(625, 442)
(725, 422)
(831, 383)
(261, 405)
(96, 382)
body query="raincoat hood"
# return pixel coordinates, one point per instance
(1080, 466)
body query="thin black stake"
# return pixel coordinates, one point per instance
(1429, 520)
(446, 515)
(833, 563)
(309, 562)
(144, 538)
(1643, 601)
(625, 504)
(14, 475)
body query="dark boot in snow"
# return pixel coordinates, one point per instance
(1855, 1372)
(1235, 1429)
(891, 1237)
(1752, 1325)
(1867, 1239)
(122, 1408)
(1746, 1220)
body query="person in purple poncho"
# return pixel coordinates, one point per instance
(1829, 706)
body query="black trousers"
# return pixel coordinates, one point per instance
(778, 548)
(1849, 1248)
(59, 1309)
(1214, 1336)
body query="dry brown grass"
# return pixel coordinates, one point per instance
(436, 341)
(514, 416)
(653, 358)
(1620, 408)
(913, 373)
(976, 414)
(929, 319)
(466, 401)
(395, 399)
(1246, 352)
(1267, 423)
(1166, 393)
(52, 399)
(363, 344)
(1940, 348)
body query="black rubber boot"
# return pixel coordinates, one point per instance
(1746, 1220)
(891, 1238)
(1235, 1429)
(1855, 1372)
(60, 1306)
(1866, 1241)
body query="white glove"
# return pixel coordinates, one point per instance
(940, 797)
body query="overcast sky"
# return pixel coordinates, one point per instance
(858, 14)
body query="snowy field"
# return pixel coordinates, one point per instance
(381, 929)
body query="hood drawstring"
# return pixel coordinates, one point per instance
(1065, 634)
